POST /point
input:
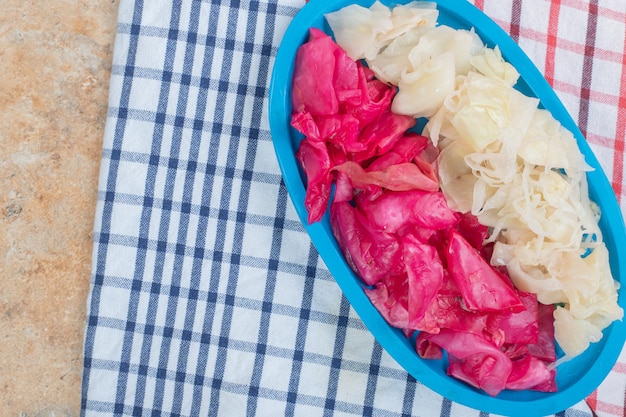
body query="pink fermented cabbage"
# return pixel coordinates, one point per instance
(395, 211)
(314, 159)
(482, 287)
(447, 311)
(313, 88)
(338, 104)
(424, 266)
(425, 276)
(398, 177)
(544, 349)
(372, 254)
(473, 358)
(520, 327)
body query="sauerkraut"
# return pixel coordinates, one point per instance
(502, 159)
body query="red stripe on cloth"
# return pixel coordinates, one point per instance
(617, 410)
(516, 16)
(597, 96)
(553, 27)
(620, 134)
(592, 401)
(620, 367)
(624, 402)
(609, 56)
(620, 16)
(603, 141)
(567, 45)
(480, 4)
(585, 90)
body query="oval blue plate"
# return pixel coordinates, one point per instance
(577, 378)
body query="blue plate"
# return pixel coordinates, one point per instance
(577, 378)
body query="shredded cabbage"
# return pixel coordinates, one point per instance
(491, 64)
(521, 173)
(501, 158)
(529, 186)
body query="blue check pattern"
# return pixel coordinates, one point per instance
(207, 298)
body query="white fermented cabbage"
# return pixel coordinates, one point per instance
(362, 32)
(491, 64)
(529, 186)
(522, 174)
(431, 67)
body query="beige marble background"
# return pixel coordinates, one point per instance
(55, 59)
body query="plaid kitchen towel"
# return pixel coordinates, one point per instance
(207, 297)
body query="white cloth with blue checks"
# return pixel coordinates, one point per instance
(207, 297)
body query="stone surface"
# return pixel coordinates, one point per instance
(55, 60)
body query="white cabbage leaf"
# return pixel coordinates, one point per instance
(356, 28)
(364, 31)
(490, 63)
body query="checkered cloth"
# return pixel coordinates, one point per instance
(207, 297)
